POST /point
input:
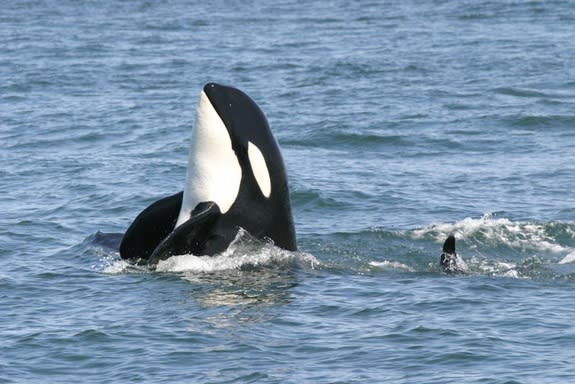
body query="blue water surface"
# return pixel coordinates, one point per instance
(399, 122)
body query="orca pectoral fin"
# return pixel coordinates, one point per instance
(150, 227)
(190, 236)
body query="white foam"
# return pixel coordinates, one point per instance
(385, 264)
(116, 267)
(243, 251)
(495, 268)
(460, 265)
(525, 236)
(112, 264)
(570, 258)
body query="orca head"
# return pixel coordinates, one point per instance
(255, 146)
(231, 143)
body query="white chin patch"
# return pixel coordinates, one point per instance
(214, 173)
(260, 169)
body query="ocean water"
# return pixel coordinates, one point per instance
(399, 122)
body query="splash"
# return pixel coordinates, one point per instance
(112, 264)
(570, 258)
(245, 252)
(502, 247)
(490, 267)
(524, 237)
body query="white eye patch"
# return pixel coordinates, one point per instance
(260, 169)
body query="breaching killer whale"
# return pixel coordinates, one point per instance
(235, 178)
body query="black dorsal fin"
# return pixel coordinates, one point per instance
(449, 245)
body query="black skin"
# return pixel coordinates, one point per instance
(150, 227)
(152, 236)
(448, 257)
(190, 237)
(449, 245)
(261, 217)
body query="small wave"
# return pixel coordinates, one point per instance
(343, 138)
(570, 258)
(519, 92)
(474, 266)
(490, 245)
(493, 268)
(110, 263)
(395, 265)
(502, 232)
(548, 122)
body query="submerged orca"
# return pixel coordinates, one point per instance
(235, 178)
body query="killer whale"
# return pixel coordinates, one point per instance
(235, 178)
(449, 260)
